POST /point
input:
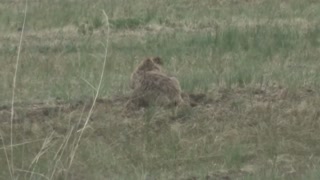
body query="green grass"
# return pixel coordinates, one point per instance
(256, 60)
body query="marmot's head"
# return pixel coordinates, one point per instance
(150, 64)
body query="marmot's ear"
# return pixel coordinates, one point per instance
(158, 60)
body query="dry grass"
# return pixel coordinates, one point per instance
(237, 133)
(255, 64)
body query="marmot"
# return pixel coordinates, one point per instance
(153, 87)
(149, 64)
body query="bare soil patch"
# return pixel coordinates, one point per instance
(259, 118)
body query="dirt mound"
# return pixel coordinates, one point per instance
(57, 107)
(249, 117)
(222, 98)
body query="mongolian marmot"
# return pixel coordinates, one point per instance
(150, 64)
(152, 87)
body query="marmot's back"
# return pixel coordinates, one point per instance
(149, 64)
(152, 86)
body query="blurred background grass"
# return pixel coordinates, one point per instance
(204, 44)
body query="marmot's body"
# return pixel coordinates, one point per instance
(152, 87)
(150, 64)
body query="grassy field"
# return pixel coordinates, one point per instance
(256, 62)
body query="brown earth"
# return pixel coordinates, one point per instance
(242, 115)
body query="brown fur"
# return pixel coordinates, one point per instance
(152, 87)
(149, 64)
(157, 89)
